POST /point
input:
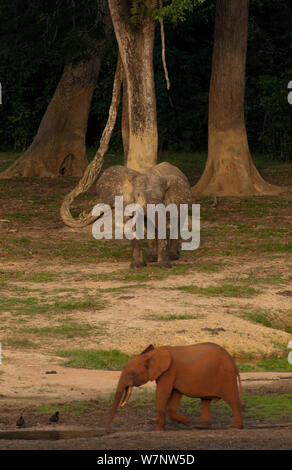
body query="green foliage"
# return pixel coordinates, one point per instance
(177, 10)
(30, 70)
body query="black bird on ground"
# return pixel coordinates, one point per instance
(55, 417)
(20, 422)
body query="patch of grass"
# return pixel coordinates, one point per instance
(258, 317)
(73, 251)
(68, 330)
(18, 217)
(266, 365)
(19, 342)
(253, 278)
(33, 305)
(88, 303)
(68, 408)
(121, 289)
(94, 358)
(269, 407)
(31, 277)
(147, 273)
(225, 290)
(280, 319)
(262, 407)
(173, 317)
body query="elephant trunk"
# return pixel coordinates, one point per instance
(124, 391)
(94, 168)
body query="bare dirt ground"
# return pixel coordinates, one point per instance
(135, 431)
(126, 323)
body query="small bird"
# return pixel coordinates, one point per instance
(55, 417)
(20, 422)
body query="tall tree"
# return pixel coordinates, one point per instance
(59, 147)
(229, 170)
(135, 43)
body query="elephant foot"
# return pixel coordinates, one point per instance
(138, 264)
(173, 256)
(164, 264)
(181, 419)
(152, 258)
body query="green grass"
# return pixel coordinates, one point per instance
(30, 277)
(257, 408)
(18, 342)
(7, 158)
(69, 408)
(266, 365)
(33, 305)
(173, 317)
(269, 407)
(94, 358)
(147, 273)
(121, 289)
(258, 318)
(279, 319)
(73, 251)
(225, 290)
(67, 330)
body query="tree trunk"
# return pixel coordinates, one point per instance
(136, 51)
(229, 170)
(59, 147)
(125, 121)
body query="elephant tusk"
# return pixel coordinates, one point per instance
(127, 396)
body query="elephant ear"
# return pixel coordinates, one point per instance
(149, 348)
(158, 361)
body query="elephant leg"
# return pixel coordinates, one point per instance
(205, 417)
(233, 401)
(237, 416)
(137, 257)
(152, 250)
(163, 256)
(163, 392)
(173, 249)
(173, 406)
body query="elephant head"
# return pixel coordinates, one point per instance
(140, 188)
(148, 365)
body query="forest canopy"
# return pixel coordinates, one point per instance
(37, 38)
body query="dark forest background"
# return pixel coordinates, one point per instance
(38, 37)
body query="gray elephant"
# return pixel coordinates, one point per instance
(161, 184)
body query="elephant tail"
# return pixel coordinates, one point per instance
(242, 404)
(94, 168)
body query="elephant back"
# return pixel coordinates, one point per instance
(179, 189)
